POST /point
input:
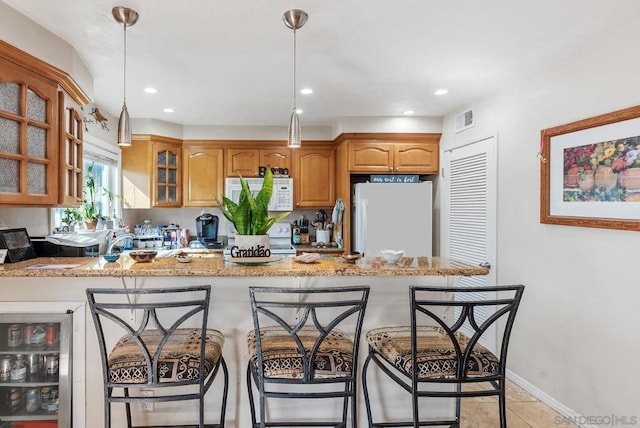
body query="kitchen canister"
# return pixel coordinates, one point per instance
(323, 236)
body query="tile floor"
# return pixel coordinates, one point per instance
(523, 411)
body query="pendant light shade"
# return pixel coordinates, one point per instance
(294, 19)
(127, 17)
(124, 128)
(294, 138)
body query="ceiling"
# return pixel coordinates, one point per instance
(231, 62)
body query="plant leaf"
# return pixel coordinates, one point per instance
(250, 215)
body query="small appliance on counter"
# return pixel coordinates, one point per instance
(207, 231)
(65, 245)
(18, 245)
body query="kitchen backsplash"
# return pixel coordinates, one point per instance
(186, 217)
(38, 223)
(36, 220)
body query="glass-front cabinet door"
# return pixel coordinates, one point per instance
(35, 370)
(167, 181)
(70, 128)
(28, 124)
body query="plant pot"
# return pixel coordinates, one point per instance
(586, 181)
(250, 246)
(605, 177)
(571, 177)
(90, 224)
(630, 179)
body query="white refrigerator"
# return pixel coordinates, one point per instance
(395, 216)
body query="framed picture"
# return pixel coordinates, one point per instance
(590, 172)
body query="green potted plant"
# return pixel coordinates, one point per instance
(89, 208)
(70, 217)
(250, 217)
(110, 218)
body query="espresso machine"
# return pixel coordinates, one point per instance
(207, 230)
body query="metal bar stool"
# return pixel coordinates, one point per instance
(442, 346)
(166, 344)
(305, 346)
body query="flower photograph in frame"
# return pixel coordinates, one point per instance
(590, 175)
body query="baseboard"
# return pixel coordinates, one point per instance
(548, 400)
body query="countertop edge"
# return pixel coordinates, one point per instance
(216, 267)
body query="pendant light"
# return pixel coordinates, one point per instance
(294, 19)
(127, 17)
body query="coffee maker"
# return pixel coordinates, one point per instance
(207, 230)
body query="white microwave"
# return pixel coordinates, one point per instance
(281, 197)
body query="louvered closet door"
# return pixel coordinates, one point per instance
(469, 213)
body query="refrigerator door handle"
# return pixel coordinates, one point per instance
(365, 204)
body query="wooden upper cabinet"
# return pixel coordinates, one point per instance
(314, 177)
(203, 176)
(373, 156)
(416, 158)
(246, 162)
(152, 172)
(70, 139)
(243, 162)
(29, 128)
(280, 158)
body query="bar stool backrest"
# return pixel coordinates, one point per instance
(141, 311)
(318, 312)
(454, 311)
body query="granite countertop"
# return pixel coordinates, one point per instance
(214, 264)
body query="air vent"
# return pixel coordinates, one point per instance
(465, 120)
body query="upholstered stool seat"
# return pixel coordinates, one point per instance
(304, 345)
(435, 354)
(281, 358)
(179, 359)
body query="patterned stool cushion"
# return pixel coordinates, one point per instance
(436, 356)
(281, 358)
(179, 359)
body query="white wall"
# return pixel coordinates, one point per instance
(576, 334)
(404, 124)
(21, 32)
(407, 124)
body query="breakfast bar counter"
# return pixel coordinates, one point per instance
(59, 284)
(214, 265)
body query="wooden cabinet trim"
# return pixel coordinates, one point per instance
(22, 58)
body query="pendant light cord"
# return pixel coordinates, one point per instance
(125, 65)
(294, 72)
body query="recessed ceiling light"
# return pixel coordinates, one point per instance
(408, 112)
(168, 110)
(441, 91)
(299, 111)
(306, 91)
(151, 90)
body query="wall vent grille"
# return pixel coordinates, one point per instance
(465, 120)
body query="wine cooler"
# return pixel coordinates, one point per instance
(35, 370)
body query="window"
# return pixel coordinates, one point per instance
(101, 158)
